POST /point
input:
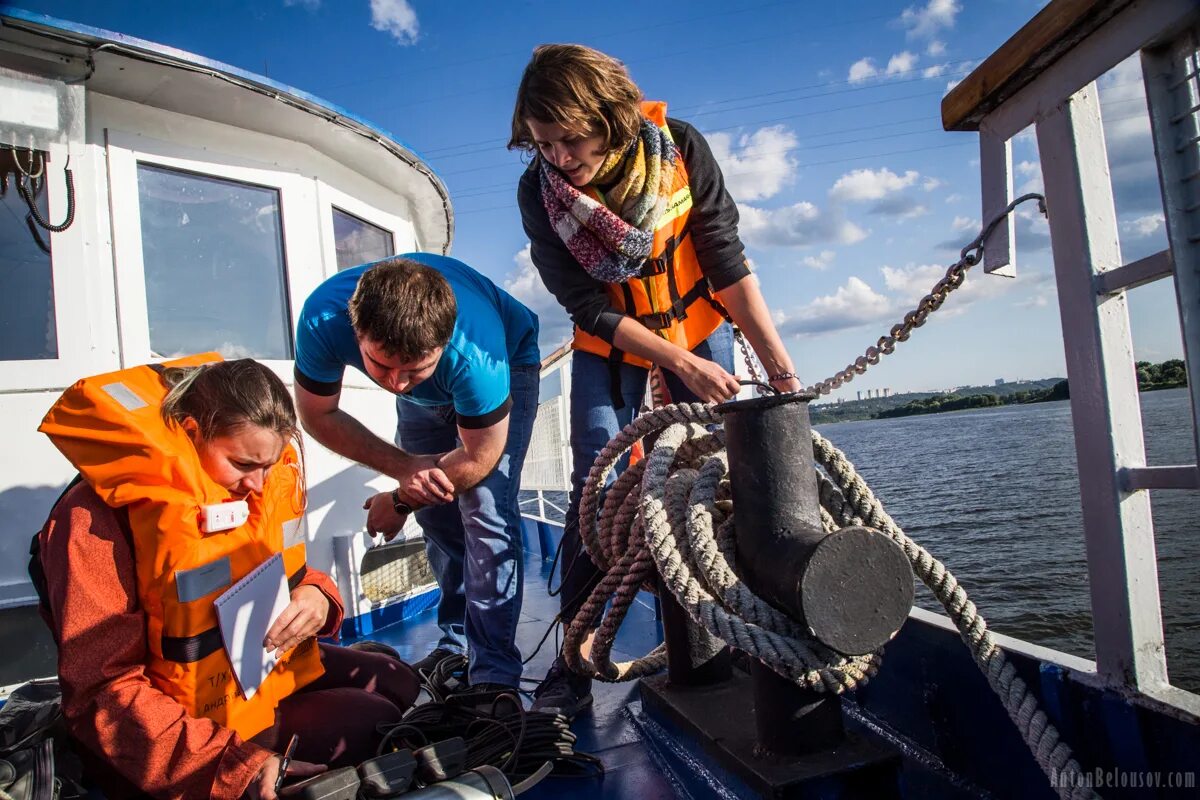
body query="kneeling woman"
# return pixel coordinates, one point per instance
(130, 573)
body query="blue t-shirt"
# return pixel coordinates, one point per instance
(492, 332)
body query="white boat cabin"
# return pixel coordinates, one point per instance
(205, 203)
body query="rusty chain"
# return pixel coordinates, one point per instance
(970, 255)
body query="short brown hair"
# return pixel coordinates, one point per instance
(405, 307)
(581, 89)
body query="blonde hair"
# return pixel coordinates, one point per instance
(581, 89)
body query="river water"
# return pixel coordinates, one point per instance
(993, 494)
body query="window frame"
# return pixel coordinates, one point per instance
(403, 239)
(297, 207)
(77, 277)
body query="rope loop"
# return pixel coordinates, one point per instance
(671, 514)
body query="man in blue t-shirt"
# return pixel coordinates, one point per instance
(461, 356)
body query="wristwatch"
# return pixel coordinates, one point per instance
(399, 505)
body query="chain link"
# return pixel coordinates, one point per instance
(756, 374)
(970, 255)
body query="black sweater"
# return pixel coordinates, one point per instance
(712, 225)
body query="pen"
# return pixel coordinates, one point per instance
(287, 759)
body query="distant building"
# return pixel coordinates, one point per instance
(887, 392)
(860, 395)
(1000, 381)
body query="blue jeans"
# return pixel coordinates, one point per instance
(595, 421)
(474, 543)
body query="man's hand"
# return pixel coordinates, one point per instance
(302, 618)
(263, 785)
(421, 479)
(708, 380)
(382, 516)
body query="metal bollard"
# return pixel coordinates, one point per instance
(852, 589)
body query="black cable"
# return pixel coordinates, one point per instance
(23, 190)
(517, 743)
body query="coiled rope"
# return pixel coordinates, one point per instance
(672, 514)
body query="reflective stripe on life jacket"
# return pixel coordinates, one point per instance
(111, 429)
(671, 297)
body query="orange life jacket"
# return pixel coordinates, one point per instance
(671, 297)
(111, 429)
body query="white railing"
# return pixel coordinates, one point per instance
(1060, 100)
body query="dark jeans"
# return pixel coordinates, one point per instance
(474, 543)
(594, 422)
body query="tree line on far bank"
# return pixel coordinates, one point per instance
(1150, 377)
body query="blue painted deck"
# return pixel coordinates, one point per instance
(606, 730)
(929, 703)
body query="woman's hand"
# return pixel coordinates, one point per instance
(263, 785)
(382, 516)
(788, 385)
(708, 380)
(423, 480)
(302, 618)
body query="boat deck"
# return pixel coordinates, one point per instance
(608, 729)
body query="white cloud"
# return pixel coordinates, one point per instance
(396, 17)
(862, 69)
(900, 206)
(966, 224)
(935, 49)
(1128, 140)
(758, 165)
(821, 260)
(924, 23)
(909, 284)
(526, 285)
(1036, 301)
(951, 84)
(867, 184)
(934, 71)
(929, 184)
(1143, 226)
(796, 225)
(850, 306)
(1028, 168)
(901, 63)
(954, 198)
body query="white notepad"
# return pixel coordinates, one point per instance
(245, 613)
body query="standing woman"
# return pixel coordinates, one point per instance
(632, 230)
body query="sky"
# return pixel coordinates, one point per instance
(824, 119)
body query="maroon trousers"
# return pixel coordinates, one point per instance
(337, 716)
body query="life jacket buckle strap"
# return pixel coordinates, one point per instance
(656, 322)
(654, 266)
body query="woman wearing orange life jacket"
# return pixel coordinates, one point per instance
(128, 575)
(632, 230)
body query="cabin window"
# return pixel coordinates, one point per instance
(212, 251)
(28, 328)
(358, 241)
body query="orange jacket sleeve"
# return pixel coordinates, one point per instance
(109, 704)
(333, 622)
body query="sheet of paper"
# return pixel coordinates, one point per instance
(245, 613)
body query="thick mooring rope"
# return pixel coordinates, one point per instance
(671, 513)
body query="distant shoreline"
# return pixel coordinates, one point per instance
(1151, 377)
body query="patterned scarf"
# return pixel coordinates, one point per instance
(613, 239)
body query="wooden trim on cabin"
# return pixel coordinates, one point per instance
(1056, 29)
